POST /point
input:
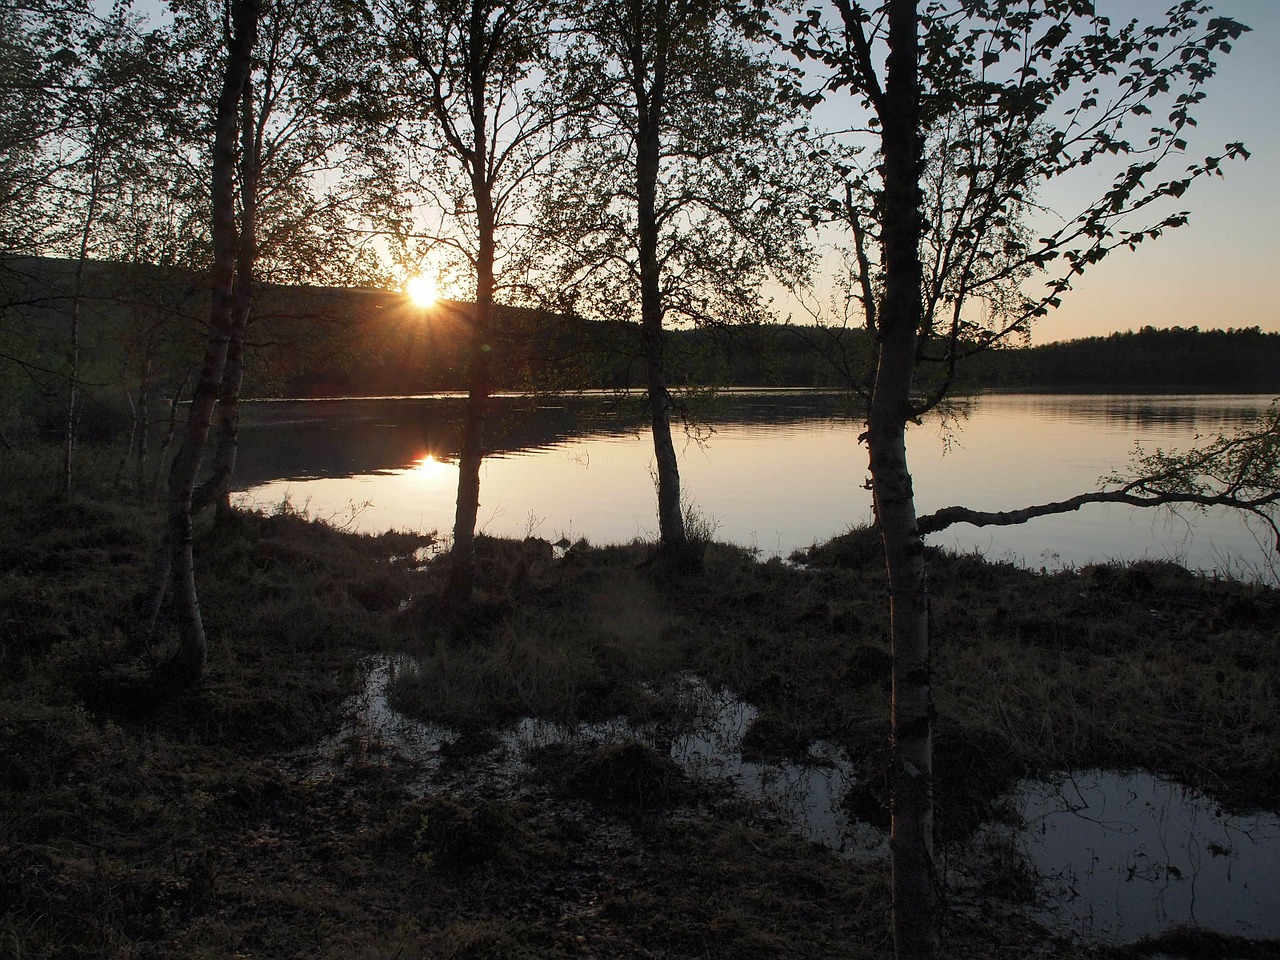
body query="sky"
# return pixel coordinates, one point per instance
(1223, 268)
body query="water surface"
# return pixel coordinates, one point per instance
(775, 471)
(1122, 855)
(1116, 855)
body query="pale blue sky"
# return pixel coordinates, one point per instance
(1222, 269)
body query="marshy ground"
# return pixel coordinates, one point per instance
(213, 824)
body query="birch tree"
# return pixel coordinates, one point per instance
(476, 135)
(287, 117)
(113, 117)
(82, 91)
(176, 551)
(978, 104)
(681, 198)
(301, 122)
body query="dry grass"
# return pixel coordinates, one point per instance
(570, 640)
(1138, 666)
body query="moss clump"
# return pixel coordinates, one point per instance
(444, 833)
(626, 774)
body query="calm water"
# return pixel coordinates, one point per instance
(774, 471)
(1126, 854)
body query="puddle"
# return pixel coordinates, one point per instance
(422, 556)
(374, 725)
(709, 749)
(1127, 855)
(1119, 856)
(807, 795)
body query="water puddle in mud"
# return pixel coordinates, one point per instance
(1119, 855)
(805, 795)
(1127, 855)
(422, 556)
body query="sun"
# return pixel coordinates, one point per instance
(421, 290)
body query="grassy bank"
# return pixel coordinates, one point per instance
(208, 825)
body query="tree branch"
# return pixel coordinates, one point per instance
(948, 516)
(1240, 471)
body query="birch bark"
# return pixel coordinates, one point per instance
(915, 898)
(216, 487)
(176, 558)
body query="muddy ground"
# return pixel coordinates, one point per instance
(249, 817)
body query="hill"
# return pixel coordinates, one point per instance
(142, 334)
(1177, 358)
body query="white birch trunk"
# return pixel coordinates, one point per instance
(176, 554)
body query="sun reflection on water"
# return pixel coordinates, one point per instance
(431, 467)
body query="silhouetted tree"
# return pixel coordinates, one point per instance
(468, 111)
(979, 102)
(301, 114)
(176, 551)
(680, 200)
(112, 116)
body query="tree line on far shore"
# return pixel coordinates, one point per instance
(333, 342)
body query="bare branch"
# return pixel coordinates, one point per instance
(1240, 470)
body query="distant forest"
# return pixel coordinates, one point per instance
(1245, 359)
(1177, 358)
(374, 343)
(142, 329)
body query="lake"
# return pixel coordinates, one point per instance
(772, 470)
